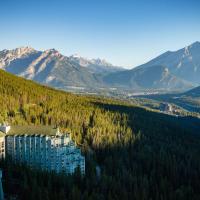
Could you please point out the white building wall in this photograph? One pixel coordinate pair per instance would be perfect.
(57, 153)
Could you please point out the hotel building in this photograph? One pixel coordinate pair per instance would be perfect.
(42, 147)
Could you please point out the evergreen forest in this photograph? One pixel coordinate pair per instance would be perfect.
(131, 152)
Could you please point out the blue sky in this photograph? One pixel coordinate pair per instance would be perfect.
(124, 32)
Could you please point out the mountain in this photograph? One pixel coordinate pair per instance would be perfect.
(97, 66)
(47, 67)
(184, 63)
(172, 70)
(154, 77)
(178, 70)
(193, 93)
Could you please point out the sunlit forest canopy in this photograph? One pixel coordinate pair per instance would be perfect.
(140, 154)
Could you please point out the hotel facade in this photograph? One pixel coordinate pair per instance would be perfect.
(43, 147)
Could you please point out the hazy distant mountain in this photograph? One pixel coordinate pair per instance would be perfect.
(154, 77)
(195, 92)
(98, 65)
(48, 67)
(183, 71)
(184, 63)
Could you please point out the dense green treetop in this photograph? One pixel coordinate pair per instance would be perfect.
(141, 154)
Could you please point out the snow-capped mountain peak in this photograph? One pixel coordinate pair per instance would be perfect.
(76, 55)
(99, 61)
(95, 65)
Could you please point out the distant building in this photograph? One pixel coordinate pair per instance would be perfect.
(166, 107)
(43, 147)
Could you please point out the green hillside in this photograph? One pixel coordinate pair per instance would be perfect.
(141, 154)
(189, 100)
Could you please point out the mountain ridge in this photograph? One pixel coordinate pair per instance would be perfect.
(95, 65)
(48, 67)
(184, 62)
(172, 70)
(183, 65)
(154, 77)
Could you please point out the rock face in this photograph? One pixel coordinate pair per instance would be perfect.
(9, 56)
(47, 67)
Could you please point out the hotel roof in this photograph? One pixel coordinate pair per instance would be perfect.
(32, 130)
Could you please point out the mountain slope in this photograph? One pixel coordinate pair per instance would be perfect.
(195, 92)
(184, 63)
(132, 147)
(154, 77)
(183, 71)
(47, 67)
